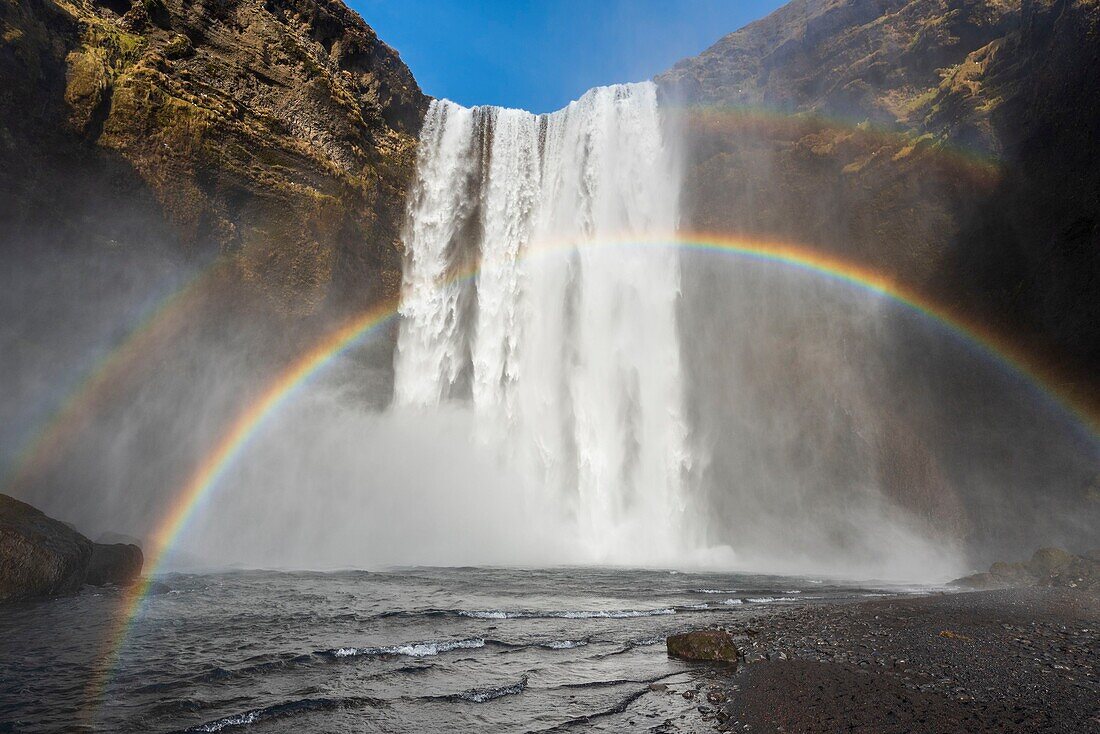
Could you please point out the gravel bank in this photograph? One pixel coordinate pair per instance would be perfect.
(1019, 660)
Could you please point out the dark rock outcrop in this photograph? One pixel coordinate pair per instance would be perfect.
(954, 144)
(40, 556)
(704, 646)
(1047, 567)
(118, 564)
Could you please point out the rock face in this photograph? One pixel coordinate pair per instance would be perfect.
(1047, 567)
(954, 144)
(703, 645)
(953, 147)
(251, 156)
(118, 564)
(278, 133)
(40, 556)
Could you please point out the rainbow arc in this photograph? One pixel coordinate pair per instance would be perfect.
(234, 441)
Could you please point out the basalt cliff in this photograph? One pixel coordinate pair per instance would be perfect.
(949, 146)
(954, 144)
(276, 134)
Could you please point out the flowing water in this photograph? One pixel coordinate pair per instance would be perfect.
(568, 350)
(416, 650)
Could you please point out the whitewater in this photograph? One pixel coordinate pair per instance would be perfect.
(567, 351)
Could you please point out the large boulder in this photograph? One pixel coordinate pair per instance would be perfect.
(39, 556)
(703, 645)
(116, 563)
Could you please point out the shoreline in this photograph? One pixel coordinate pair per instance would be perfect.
(1011, 660)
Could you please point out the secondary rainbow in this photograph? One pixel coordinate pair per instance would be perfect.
(214, 464)
(230, 445)
(80, 404)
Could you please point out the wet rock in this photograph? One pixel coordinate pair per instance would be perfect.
(703, 645)
(39, 556)
(117, 563)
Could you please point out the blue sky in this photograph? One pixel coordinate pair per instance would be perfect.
(540, 55)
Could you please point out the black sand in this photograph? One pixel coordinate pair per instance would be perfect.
(1024, 660)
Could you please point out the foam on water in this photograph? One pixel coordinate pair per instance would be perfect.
(551, 614)
(481, 695)
(565, 644)
(412, 649)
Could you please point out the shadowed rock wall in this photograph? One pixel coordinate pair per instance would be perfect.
(953, 146)
(279, 134)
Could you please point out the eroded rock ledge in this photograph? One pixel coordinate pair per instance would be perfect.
(1046, 567)
(278, 133)
(40, 556)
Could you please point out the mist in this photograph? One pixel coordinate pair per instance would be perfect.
(801, 426)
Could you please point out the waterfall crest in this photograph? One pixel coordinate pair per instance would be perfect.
(568, 350)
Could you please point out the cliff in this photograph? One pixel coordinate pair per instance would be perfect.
(191, 193)
(952, 146)
(279, 134)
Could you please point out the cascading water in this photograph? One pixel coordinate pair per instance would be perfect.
(567, 349)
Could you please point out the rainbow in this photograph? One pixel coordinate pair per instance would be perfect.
(80, 404)
(232, 443)
(229, 446)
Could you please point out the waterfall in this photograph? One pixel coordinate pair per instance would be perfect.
(565, 341)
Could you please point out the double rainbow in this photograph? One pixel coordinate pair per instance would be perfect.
(232, 443)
